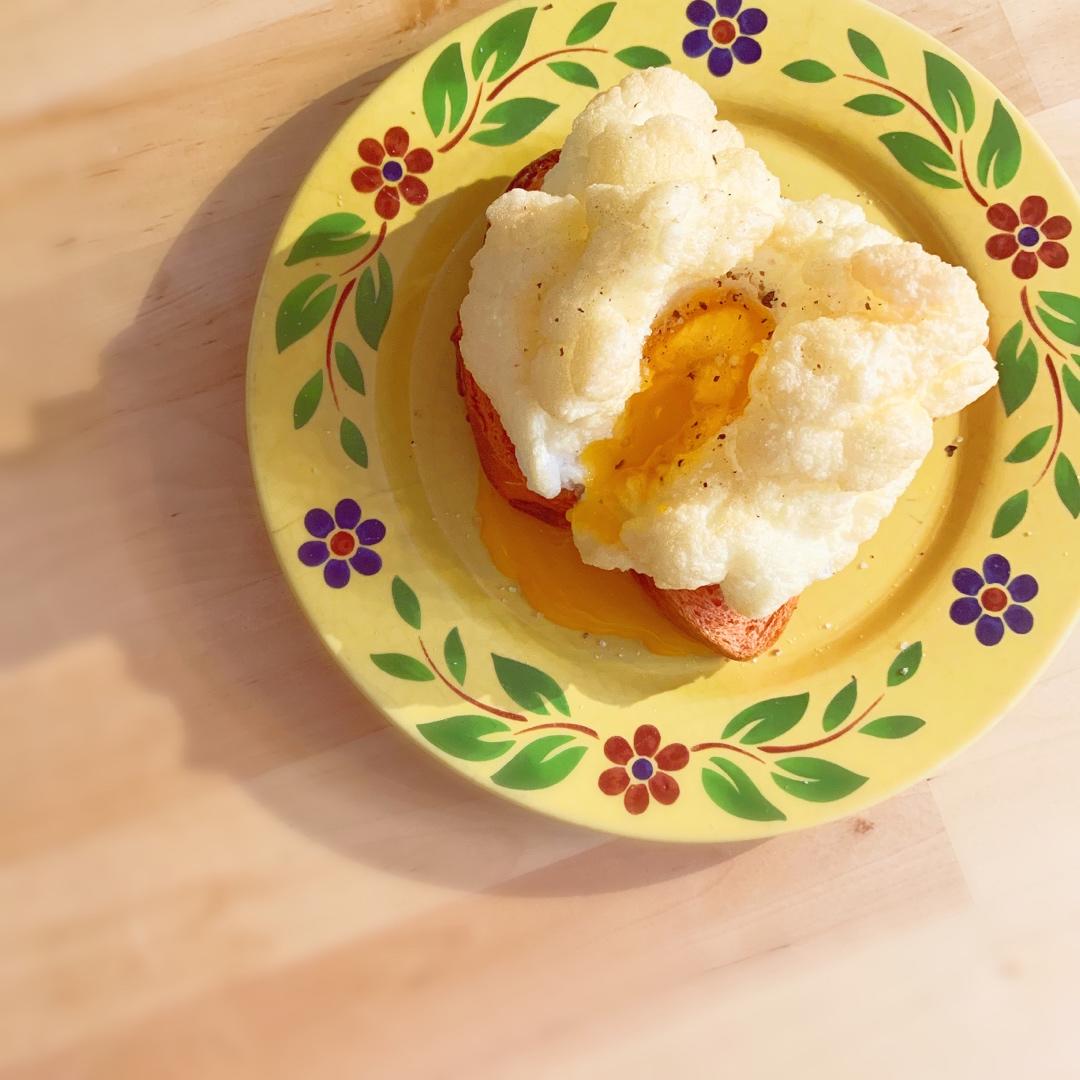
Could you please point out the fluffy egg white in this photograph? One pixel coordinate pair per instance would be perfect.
(871, 339)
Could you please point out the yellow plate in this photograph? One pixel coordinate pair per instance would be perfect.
(888, 668)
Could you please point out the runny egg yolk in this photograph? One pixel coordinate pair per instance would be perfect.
(717, 337)
(544, 562)
(696, 372)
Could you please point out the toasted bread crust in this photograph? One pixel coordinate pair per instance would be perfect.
(701, 613)
(498, 457)
(531, 178)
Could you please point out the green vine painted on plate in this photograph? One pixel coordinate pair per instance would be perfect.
(810, 778)
(1028, 235)
(533, 761)
(493, 68)
(941, 161)
(308, 304)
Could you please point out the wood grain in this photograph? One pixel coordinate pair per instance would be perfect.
(215, 860)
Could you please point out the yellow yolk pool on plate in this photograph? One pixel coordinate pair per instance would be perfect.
(697, 366)
(544, 562)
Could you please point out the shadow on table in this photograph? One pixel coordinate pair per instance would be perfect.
(206, 619)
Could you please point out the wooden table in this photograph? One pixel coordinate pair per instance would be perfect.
(215, 860)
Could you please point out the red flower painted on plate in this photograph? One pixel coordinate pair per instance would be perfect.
(391, 169)
(642, 770)
(1028, 237)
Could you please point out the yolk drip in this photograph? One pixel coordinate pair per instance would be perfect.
(697, 366)
(696, 374)
(544, 562)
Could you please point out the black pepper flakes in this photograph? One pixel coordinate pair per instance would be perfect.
(951, 449)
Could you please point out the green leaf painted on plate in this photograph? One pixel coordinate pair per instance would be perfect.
(875, 105)
(537, 766)
(1072, 387)
(1001, 149)
(1017, 369)
(949, 91)
(1068, 487)
(590, 24)
(1068, 326)
(868, 53)
(334, 234)
(905, 665)
(529, 687)
(839, 709)
(505, 40)
(307, 401)
(1029, 445)
(575, 73)
(352, 442)
(641, 56)
(809, 71)
(921, 158)
(513, 120)
(732, 790)
(349, 367)
(1009, 515)
(402, 667)
(446, 86)
(406, 602)
(463, 737)
(770, 719)
(892, 727)
(815, 780)
(303, 308)
(373, 306)
(454, 655)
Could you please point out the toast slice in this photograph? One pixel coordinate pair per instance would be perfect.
(701, 613)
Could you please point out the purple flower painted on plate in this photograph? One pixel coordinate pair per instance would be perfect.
(993, 600)
(343, 543)
(726, 32)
